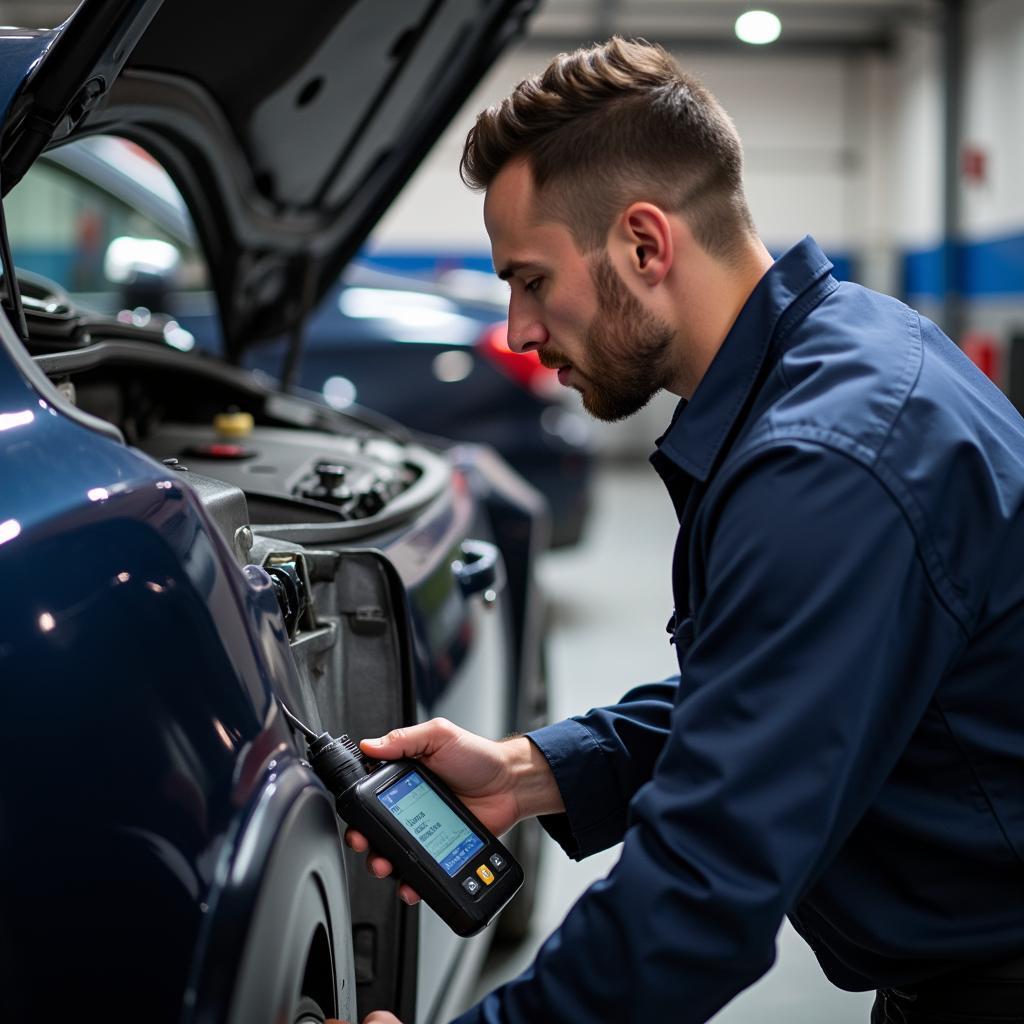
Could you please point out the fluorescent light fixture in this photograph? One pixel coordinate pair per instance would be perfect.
(10, 420)
(758, 27)
(126, 257)
(392, 304)
(9, 529)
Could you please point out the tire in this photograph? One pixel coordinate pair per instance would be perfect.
(280, 944)
(309, 1011)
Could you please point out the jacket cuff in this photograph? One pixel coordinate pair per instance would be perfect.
(595, 817)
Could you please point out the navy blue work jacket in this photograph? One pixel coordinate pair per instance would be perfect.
(845, 741)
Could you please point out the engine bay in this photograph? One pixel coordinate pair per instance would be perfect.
(308, 473)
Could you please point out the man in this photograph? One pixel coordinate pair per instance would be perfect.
(845, 741)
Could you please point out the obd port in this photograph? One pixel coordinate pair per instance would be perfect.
(287, 572)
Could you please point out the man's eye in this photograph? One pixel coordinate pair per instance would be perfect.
(532, 285)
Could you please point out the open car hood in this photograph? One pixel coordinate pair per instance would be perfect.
(288, 128)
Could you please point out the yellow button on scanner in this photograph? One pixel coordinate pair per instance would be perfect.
(233, 424)
(485, 874)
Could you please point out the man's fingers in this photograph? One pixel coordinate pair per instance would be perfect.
(408, 895)
(411, 741)
(377, 1017)
(378, 866)
(356, 840)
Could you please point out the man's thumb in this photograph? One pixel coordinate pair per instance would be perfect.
(410, 741)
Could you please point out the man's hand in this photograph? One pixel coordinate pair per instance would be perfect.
(377, 1017)
(500, 782)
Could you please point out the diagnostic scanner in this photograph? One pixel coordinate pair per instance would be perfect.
(412, 818)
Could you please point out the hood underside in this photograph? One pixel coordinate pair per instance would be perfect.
(288, 128)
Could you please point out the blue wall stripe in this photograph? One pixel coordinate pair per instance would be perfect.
(992, 267)
(427, 264)
(843, 266)
(924, 273)
(433, 263)
(984, 269)
(58, 263)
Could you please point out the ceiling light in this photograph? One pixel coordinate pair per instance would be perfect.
(758, 27)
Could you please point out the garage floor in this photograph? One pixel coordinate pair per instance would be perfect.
(611, 597)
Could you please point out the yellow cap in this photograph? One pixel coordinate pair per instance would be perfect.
(233, 424)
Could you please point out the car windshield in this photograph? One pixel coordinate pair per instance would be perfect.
(101, 219)
(37, 13)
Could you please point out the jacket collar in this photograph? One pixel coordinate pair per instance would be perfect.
(700, 427)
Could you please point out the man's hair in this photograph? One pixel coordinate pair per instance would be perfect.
(618, 123)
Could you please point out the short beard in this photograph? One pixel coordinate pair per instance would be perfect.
(628, 349)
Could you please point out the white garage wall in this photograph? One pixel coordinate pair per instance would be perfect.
(993, 120)
(802, 120)
(912, 136)
(802, 165)
(994, 117)
(991, 254)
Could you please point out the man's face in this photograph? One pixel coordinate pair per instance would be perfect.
(574, 310)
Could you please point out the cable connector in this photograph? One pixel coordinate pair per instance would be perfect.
(337, 760)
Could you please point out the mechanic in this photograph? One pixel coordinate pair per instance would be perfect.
(844, 743)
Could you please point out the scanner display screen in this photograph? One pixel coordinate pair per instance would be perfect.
(431, 822)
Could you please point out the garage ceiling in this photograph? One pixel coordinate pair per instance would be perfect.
(708, 24)
(806, 24)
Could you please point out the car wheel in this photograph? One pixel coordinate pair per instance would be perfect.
(280, 947)
(300, 928)
(309, 1011)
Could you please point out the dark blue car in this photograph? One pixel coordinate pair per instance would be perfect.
(184, 547)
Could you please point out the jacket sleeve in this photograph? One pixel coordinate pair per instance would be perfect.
(818, 644)
(600, 760)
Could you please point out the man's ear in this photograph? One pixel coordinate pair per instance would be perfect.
(644, 230)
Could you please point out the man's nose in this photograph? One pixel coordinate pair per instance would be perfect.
(525, 332)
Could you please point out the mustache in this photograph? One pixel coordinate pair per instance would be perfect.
(552, 360)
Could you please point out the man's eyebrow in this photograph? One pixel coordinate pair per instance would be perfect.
(510, 268)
